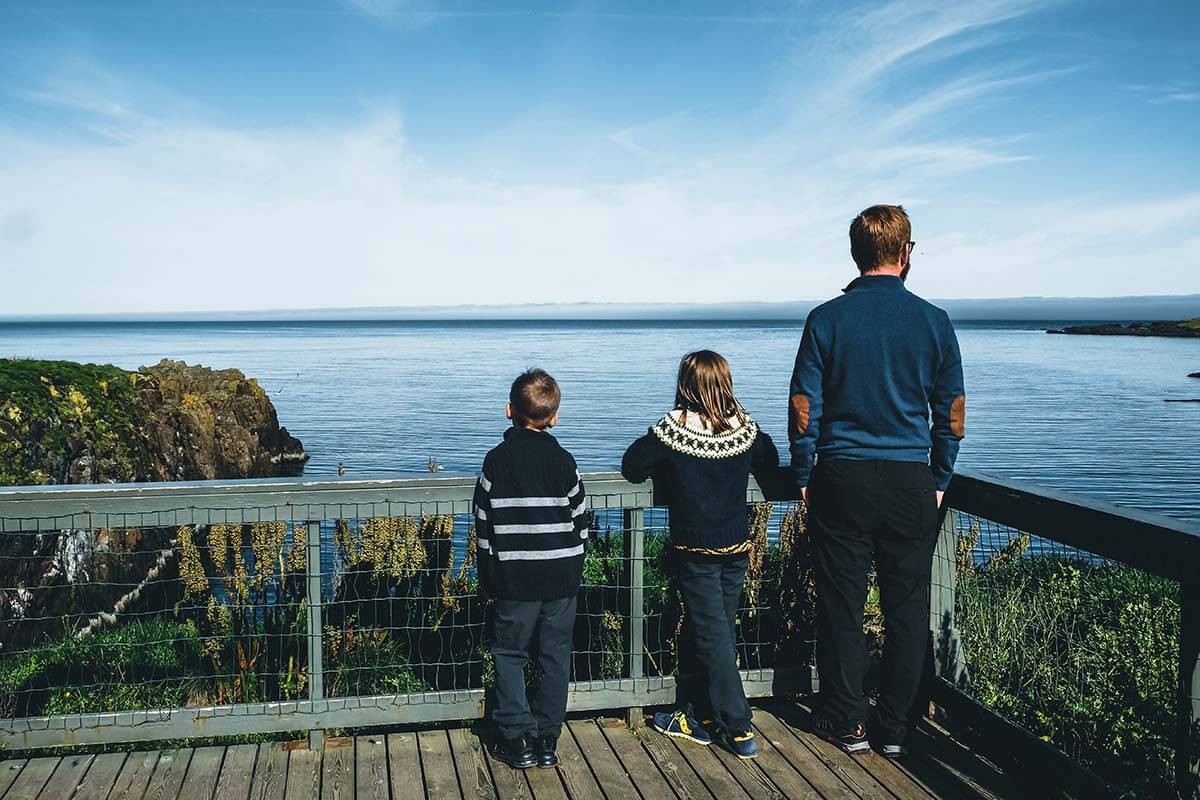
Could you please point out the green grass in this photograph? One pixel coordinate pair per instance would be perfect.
(1082, 655)
(48, 406)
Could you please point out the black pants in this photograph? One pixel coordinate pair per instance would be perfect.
(859, 510)
(708, 685)
(540, 712)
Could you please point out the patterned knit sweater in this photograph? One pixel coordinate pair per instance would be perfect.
(702, 478)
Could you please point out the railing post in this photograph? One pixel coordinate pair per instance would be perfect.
(1187, 750)
(635, 551)
(316, 658)
(949, 661)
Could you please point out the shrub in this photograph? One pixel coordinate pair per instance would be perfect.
(1083, 655)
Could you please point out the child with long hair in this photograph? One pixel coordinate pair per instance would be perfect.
(701, 454)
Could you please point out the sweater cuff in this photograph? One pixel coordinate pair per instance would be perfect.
(941, 479)
(801, 474)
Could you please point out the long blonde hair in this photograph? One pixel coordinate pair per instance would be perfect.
(705, 387)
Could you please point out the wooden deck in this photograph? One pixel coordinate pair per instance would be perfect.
(600, 758)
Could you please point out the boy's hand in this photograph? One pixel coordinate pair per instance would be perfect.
(940, 495)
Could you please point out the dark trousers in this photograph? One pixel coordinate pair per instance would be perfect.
(859, 510)
(541, 711)
(708, 685)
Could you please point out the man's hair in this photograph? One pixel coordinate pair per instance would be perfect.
(534, 398)
(878, 236)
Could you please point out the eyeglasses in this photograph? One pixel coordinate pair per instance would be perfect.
(912, 246)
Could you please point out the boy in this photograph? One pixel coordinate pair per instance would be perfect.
(531, 525)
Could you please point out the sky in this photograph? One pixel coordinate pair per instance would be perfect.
(262, 154)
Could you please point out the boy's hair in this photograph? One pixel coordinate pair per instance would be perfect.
(878, 235)
(534, 398)
(705, 387)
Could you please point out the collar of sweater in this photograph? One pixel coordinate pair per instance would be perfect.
(691, 435)
(876, 283)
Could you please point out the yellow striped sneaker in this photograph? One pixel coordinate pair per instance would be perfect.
(681, 726)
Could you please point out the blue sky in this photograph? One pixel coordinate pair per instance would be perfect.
(164, 156)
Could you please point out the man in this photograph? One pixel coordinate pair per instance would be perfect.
(874, 367)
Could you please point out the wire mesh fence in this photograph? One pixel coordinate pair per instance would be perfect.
(279, 604)
(1081, 651)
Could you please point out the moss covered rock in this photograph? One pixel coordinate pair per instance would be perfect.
(62, 422)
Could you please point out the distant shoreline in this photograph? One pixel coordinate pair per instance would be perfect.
(1180, 329)
(1010, 309)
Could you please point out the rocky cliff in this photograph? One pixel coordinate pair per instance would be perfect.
(62, 422)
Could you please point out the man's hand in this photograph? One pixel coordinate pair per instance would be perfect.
(940, 495)
(804, 494)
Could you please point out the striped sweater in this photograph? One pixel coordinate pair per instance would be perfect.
(530, 519)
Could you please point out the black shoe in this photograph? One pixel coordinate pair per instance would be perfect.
(889, 741)
(850, 737)
(543, 748)
(516, 753)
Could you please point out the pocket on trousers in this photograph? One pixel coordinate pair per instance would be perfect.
(913, 512)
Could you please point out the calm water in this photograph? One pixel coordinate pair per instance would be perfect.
(1079, 413)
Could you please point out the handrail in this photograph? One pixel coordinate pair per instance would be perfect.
(1151, 542)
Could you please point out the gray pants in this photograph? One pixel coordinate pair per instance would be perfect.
(540, 711)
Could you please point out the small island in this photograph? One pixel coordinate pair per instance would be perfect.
(1181, 329)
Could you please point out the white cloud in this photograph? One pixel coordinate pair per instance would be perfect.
(169, 213)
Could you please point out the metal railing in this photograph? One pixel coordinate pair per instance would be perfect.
(169, 611)
(1067, 633)
(166, 611)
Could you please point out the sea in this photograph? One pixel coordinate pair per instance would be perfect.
(1087, 414)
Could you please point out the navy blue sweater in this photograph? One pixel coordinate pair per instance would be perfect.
(874, 366)
(531, 521)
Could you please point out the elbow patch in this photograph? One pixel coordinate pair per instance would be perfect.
(958, 416)
(798, 414)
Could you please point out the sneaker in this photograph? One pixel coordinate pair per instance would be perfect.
(893, 750)
(681, 726)
(516, 753)
(851, 738)
(742, 745)
(544, 748)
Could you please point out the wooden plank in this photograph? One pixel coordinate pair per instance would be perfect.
(135, 775)
(782, 740)
(404, 767)
(711, 771)
(576, 776)
(100, 777)
(67, 775)
(674, 767)
(939, 753)
(270, 772)
(473, 774)
(775, 766)
(635, 761)
(237, 772)
(794, 718)
(303, 775)
(748, 774)
(337, 771)
(168, 775)
(896, 781)
(607, 768)
(32, 778)
(203, 773)
(437, 764)
(511, 784)
(545, 784)
(370, 768)
(9, 771)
